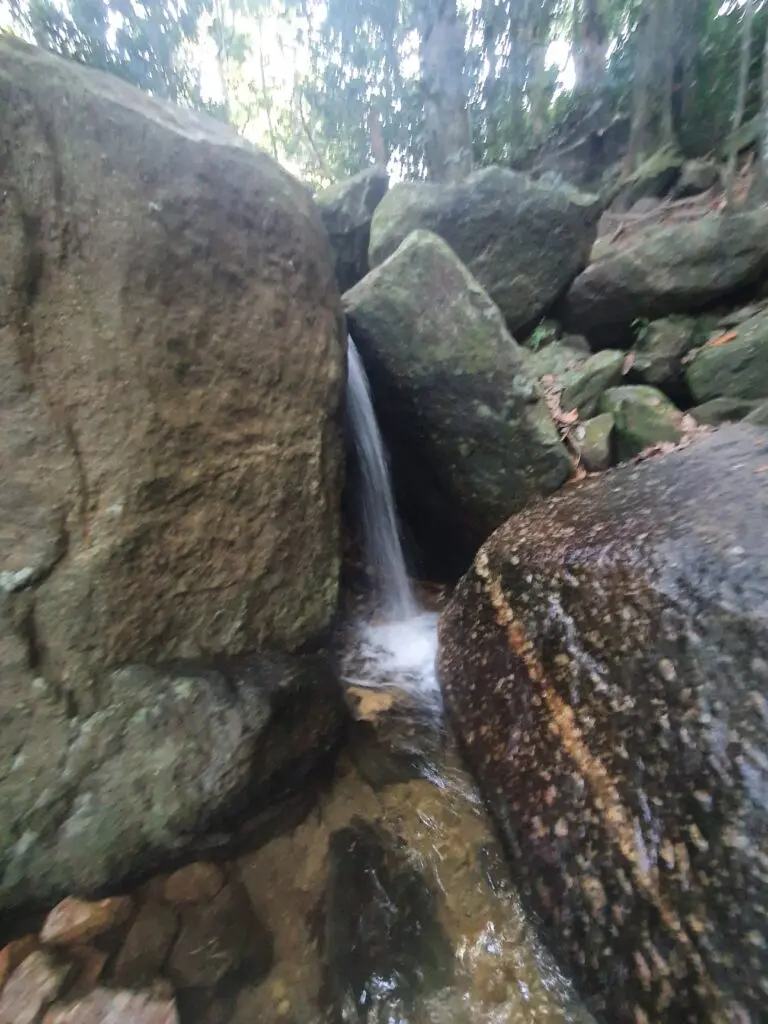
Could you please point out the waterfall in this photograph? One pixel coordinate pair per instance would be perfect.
(381, 537)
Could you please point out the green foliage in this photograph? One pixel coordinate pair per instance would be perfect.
(142, 44)
(540, 336)
(332, 87)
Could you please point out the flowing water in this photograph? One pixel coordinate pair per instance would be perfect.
(386, 898)
(404, 773)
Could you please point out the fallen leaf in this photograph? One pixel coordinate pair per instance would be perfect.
(629, 362)
(722, 339)
(370, 703)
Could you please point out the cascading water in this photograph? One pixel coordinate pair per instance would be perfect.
(381, 536)
(400, 647)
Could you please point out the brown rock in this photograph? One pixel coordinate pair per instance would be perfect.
(76, 921)
(31, 988)
(605, 666)
(195, 883)
(146, 946)
(104, 1006)
(171, 369)
(90, 963)
(14, 954)
(216, 939)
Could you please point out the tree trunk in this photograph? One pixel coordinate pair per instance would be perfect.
(760, 183)
(741, 98)
(652, 121)
(448, 143)
(589, 45)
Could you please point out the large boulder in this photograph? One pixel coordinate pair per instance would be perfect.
(605, 665)
(346, 209)
(469, 437)
(524, 241)
(171, 369)
(674, 269)
(737, 368)
(169, 756)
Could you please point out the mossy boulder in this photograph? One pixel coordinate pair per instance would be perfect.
(605, 666)
(594, 440)
(738, 368)
(469, 437)
(660, 347)
(556, 359)
(586, 384)
(653, 179)
(523, 240)
(171, 374)
(722, 410)
(346, 210)
(643, 417)
(680, 268)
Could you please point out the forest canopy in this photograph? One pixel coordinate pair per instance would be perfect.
(430, 88)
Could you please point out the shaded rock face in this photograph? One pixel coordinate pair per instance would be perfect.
(346, 210)
(167, 756)
(469, 437)
(605, 663)
(171, 366)
(384, 945)
(677, 269)
(523, 240)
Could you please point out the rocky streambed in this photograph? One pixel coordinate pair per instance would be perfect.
(389, 899)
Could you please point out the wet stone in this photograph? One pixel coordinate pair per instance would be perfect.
(384, 946)
(146, 946)
(77, 921)
(107, 1006)
(32, 987)
(219, 939)
(600, 663)
(14, 954)
(195, 883)
(89, 964)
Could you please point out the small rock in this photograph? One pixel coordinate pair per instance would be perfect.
(721, 410)
(587, 384)
(77, 921)
(216, 939)
(32, 988)
(146, 946)
(14, 954)
(643, 417)
(90, 963)
(106, 1006)
(595, 443)
(195, 883)
(659, 349)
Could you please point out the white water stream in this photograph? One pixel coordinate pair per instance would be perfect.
(399, 647)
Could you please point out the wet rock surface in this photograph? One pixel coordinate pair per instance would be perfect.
(469, 438)
(523, 240)
(384, 946)
(605, 664)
